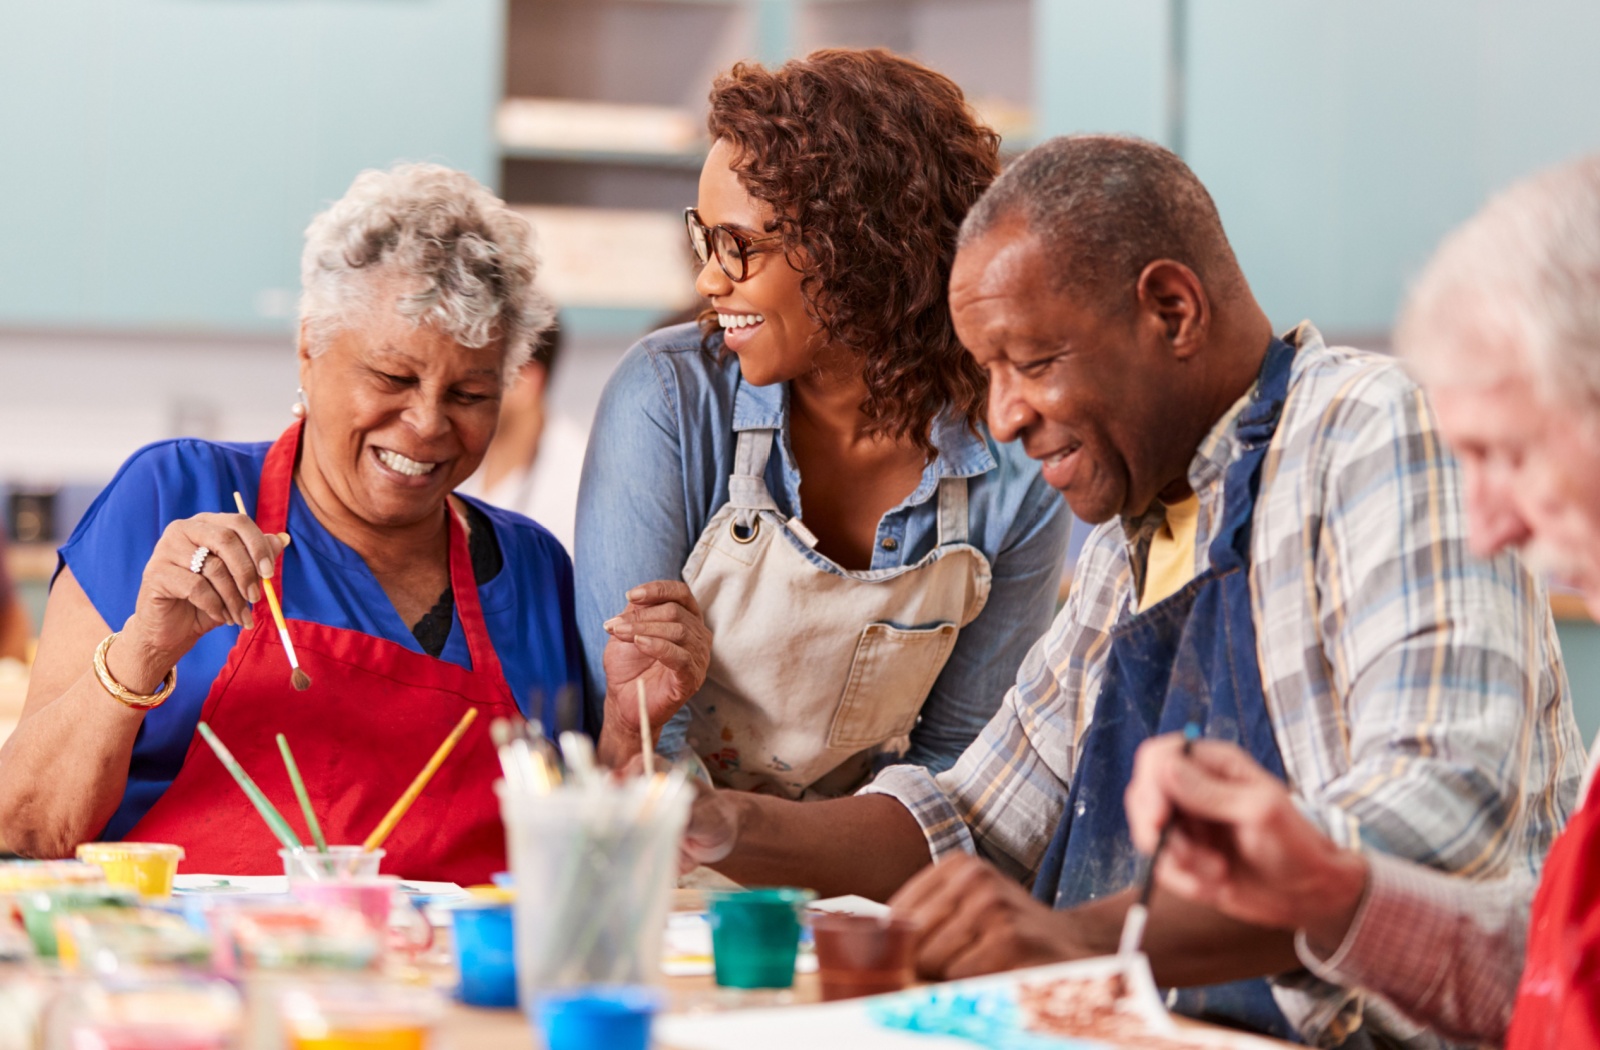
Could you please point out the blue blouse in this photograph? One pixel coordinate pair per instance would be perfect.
(527, 606)
(656, 472)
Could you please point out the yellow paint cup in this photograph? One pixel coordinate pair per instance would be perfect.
(148, 868)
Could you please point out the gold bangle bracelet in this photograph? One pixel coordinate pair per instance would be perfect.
(121, 693)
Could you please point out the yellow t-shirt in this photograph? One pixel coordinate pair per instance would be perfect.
(1170, 563)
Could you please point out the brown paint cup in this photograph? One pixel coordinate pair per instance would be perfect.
(862, 955)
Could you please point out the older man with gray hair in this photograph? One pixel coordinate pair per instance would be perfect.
(1281, 563)
(1504, 331)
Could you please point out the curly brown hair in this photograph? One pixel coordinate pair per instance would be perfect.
(869, 161)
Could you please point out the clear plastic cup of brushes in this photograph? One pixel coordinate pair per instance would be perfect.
(335, 862)
(595, 863)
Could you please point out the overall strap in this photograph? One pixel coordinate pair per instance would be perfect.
(953, 525)
(747, 485)
(1257, 423)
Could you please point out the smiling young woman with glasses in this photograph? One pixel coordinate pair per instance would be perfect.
(807, 469)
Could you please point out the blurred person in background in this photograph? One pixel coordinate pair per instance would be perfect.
(408, 605)
(536, 458)
(1503, 329)
(808, 468)
(16, 626)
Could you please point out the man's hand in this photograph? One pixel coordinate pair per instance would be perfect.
(1238, 844)
(659, 639)
(976, 920)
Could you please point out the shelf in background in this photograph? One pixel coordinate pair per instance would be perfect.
(689, 160)
(612, 257)
(564, 129)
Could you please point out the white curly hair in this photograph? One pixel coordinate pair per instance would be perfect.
(466, 258)
(1516, 290)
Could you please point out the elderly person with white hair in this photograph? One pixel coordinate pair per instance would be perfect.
(1503, 329)
(407, 606)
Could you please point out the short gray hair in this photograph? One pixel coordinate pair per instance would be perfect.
(1516, 290)
(465, 260)
(1106, 206)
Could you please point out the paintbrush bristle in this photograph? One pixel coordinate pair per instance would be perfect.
(300, 680)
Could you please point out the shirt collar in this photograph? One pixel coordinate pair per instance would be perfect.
(760, 407)
(1220, 446)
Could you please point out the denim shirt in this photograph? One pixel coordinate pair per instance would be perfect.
(656, 472)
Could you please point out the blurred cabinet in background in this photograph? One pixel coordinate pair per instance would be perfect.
(161, 158)
(602, 131)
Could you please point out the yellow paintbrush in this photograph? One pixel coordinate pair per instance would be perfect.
(297, 678)
(398, 810)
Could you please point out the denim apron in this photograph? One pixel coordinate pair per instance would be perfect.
(1191, 657)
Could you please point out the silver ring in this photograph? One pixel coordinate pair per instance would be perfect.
(198, 562)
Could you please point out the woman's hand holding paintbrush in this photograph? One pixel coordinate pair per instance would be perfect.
(1236, 842)
(297, 678)
(205, 572)
(659, 639)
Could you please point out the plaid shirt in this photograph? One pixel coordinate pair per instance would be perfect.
(1416, 691)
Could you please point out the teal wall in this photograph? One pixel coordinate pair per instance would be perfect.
(1340, 140)
(159, 159)
(1580, 645)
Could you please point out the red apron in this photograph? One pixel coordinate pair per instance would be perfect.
(374, 714)
(1558, 1001)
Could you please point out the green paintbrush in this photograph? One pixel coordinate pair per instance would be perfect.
(300, 793)
(269, 813)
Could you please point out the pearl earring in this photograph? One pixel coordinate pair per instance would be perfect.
(298, 409)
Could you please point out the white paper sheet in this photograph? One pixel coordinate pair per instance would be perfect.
(850, 1024)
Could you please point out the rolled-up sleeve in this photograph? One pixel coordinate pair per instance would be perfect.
(1446, 952)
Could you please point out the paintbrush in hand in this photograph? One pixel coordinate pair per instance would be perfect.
(647, 747)
(1139, 912)
(297, 678)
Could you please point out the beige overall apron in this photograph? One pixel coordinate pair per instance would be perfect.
(816, 668)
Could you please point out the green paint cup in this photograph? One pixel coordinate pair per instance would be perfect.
(755, 935)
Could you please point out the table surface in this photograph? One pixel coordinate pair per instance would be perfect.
(470, 1028)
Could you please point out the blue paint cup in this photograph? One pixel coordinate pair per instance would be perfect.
(617, 1018)
(485, 958)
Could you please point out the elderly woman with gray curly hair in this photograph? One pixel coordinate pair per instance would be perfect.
(406, 605)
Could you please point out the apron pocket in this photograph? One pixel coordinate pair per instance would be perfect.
(891, 675)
